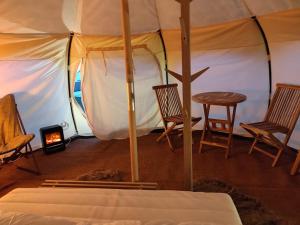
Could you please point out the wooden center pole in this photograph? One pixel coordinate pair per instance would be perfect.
(130, 91)
(186, 92)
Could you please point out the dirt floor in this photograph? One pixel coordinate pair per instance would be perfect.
(252, 174)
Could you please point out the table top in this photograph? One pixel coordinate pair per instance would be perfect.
(219, 98)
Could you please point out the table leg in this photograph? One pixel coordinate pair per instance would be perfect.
(206, 109)
(231, 125)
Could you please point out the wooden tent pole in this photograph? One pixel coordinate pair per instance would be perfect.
(186, 92)
(130, 91)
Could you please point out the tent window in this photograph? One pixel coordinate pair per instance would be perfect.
(77, 88)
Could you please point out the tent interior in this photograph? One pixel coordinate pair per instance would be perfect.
(64, 63)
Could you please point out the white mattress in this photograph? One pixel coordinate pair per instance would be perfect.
(145, 207)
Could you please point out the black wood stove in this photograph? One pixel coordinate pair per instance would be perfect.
(52, 139)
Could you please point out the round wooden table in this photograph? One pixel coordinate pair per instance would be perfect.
(226, 99)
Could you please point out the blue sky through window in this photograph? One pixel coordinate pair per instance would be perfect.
(77, 89)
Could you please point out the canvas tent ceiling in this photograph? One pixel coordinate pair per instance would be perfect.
(35, 36)
(102, 17)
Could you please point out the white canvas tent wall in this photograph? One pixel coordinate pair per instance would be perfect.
(35, 34)
(103, 82)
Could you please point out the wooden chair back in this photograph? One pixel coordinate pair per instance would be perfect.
(284, 109)
(168, 100)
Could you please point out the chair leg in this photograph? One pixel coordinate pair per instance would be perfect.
(37, 169)
(277, 157)
(161, 136)
(170, 142)
(201, 141)
(166, 133)
(167, 130)
(205, 129)
(34, 159)
(252, 146)
(296, 165)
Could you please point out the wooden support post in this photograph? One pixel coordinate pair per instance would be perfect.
(130, 91)
(176, 75)
(186, 92)
(193, 76)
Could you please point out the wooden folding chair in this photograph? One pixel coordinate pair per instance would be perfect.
(281, 118)
(15, 142)
(170, 109)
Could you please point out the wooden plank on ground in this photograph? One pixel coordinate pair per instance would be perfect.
(100, 184)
